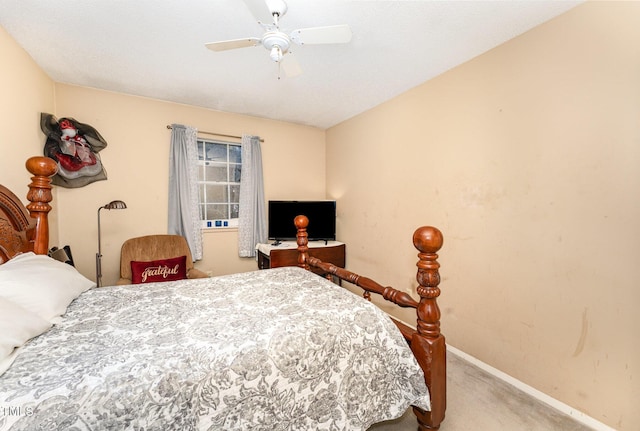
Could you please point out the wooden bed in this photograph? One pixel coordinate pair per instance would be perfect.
(26, 229)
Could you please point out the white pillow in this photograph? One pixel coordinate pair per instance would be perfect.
(41, 284)
(17, 325)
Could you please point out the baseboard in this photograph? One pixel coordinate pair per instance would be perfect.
(541, 396)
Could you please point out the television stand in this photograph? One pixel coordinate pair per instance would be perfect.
(286, 254)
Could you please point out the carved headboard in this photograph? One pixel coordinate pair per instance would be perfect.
(23, 228)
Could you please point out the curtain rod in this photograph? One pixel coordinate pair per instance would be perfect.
(215, 134)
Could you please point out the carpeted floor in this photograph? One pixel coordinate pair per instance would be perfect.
(478, 401)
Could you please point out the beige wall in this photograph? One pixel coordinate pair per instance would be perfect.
(25, 91)
(137, 163)
(528, 159)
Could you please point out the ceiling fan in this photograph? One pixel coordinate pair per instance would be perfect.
(268, 13)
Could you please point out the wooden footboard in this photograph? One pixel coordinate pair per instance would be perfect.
(426, 341)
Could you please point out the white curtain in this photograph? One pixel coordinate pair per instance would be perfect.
(252, 223)
(184, 216)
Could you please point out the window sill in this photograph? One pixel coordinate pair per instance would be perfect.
(209, 230)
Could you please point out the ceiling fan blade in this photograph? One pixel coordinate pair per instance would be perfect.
(233, 44)
(259, 10)
(290, 65)
(318, 35)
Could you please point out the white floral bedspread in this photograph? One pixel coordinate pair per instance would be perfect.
(279, 349)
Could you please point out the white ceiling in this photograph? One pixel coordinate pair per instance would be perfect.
(155, 48)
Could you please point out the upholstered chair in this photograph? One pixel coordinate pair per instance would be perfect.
(155, 247)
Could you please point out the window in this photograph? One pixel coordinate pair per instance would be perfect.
(220, 165)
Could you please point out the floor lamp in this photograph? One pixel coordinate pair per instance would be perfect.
(113, 205)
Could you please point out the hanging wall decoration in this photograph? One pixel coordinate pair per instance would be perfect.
(74, 146)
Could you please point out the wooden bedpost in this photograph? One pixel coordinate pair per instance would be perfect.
(428, 344)
(39, 196)
(302, 240)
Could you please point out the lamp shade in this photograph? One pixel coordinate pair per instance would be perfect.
(115, 205)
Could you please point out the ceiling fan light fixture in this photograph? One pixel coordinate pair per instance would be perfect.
(276, 53)
(277, 43)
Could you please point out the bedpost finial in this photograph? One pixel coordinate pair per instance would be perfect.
(301, 222)
(427, 239)
(41, 166)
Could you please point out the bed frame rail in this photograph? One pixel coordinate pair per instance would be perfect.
(426, 340)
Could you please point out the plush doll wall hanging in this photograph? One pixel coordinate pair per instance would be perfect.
(74, 146)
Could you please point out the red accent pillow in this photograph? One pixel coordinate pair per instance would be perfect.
(153, 271)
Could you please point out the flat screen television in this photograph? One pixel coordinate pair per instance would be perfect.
(321, 215)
